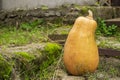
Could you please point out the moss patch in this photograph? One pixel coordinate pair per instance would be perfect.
(25, 56)
(53, 52)
(24, 64)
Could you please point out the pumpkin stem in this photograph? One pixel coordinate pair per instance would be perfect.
(90, 14)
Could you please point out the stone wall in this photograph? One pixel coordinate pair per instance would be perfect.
(31, 4)
(0, 4)
(67, 13)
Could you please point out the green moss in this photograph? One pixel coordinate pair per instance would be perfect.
(30, 69)
(25, 55)
(28, 26)
(52, 48)
(64, 32)
(77, 6)
(43, 7)
(84, 9)
(52, 51)
(5, 69)
(24, 62)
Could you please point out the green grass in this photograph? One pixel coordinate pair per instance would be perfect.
(6, 68)
(20, 37)
(28, 32)
(38, 31)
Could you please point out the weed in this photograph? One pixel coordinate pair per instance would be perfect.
(118, 36)
(52, 51)
(31, 25)
(25, 65)
(6, 69)
(105, 30)
(113, 71)
(28, 67)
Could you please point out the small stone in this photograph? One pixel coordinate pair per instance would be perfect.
(3, 15)
(50, 13)
(58, 14)
(102, 75)
(117, 78)
(73, 78)
(60, 73)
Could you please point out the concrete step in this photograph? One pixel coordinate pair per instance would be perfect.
(115, 21)
(102, 51)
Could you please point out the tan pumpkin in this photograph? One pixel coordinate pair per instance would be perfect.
(80, 50)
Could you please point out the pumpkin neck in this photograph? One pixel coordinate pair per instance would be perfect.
(90, 15)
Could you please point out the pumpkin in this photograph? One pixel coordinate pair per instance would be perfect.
(80, 49)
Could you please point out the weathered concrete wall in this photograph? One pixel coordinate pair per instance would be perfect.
(0, 4)
(30, 4)
(66, 13)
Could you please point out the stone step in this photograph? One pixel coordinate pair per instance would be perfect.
(102, 51)
(115, 21)
(19, 60)
(109, 52)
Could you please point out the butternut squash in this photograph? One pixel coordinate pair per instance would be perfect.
(80, 50)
